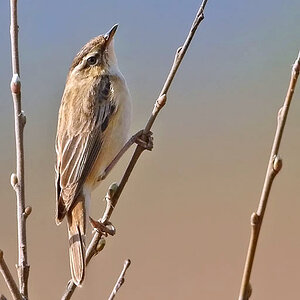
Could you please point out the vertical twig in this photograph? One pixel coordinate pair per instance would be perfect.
(11, 284)
(120, 280)
(160, 102)
(274, 166)
(18, 179)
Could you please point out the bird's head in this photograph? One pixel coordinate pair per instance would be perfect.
(97, 57)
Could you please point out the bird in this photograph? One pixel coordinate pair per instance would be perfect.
(93, 125)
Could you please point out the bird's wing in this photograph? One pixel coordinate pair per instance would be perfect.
(82, 122)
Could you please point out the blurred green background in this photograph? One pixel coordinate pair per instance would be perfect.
(183, 218)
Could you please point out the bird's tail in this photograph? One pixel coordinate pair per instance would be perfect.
(76, 229)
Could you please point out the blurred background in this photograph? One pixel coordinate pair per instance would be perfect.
(183, 218)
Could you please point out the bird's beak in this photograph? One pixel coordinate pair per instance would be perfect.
(110, 34)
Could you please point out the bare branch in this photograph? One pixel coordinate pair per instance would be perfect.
(11, 284)
(120, 280)
(274, 166)
(17, 180)
(160, 102)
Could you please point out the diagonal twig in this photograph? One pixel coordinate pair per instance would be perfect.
(18, 178)
(274, 166)
(11, 284)
(97, 243)
(160, 102)
(120, 280)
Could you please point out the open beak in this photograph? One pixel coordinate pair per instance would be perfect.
(110, 34)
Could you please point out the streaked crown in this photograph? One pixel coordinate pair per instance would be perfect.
(96, 57)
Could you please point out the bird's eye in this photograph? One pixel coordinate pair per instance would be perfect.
(92, 60)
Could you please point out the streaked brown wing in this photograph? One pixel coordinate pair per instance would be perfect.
(79, 140)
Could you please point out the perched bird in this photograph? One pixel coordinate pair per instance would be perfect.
(93, 125)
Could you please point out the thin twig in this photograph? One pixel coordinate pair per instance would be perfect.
(11, 284)
(20, 120)
(274, 166)
(120, 280)
(160, 102)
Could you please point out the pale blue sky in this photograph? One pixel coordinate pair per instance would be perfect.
(214, 134)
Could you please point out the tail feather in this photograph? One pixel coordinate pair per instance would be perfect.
(76, 229)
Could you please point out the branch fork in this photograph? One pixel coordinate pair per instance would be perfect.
(17, 179)
(11, 284)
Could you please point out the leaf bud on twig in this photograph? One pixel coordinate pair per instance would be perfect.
(15, 84)
(14, 180)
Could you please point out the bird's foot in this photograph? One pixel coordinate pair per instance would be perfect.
(144, 140)
(105, 229)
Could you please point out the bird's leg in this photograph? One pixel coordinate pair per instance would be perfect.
(140, 138)
(105, 229)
